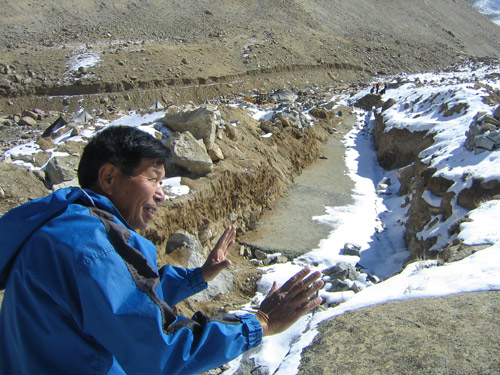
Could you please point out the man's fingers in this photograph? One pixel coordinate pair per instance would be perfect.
(221, 251)
(274, 288)
(225, 242)
(304, 285)
(308, 306)
(313, 289)
(295, 279)
(227, 236)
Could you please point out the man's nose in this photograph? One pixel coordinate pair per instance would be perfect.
(159, 194)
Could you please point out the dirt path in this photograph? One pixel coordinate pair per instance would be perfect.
(289, 228)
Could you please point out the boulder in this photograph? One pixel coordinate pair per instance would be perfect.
(483, 142)
(491, 120)
(496, 113)
(18, 185)
(260, 255)
(269, 127)
(32, 114)
(216, 153)
(339, 286)
(182, 239)
(284, 96)
(341, 271)
(351, 249)
(27, 121)
(4, 83)
(60, 169)
(201, 123)
(483, 134)
(45, 143)
(369, 101)
(190, 154)
(388, 104)
(40, 159)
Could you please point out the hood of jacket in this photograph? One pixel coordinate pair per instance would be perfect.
(17, 225)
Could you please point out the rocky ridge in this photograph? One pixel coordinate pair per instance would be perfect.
(400, 149)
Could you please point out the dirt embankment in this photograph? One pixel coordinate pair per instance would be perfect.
(250, 181)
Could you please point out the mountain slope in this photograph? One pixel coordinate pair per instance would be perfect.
(166, 45)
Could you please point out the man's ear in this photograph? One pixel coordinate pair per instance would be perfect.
(106, 176)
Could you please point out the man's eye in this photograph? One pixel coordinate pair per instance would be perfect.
(155, 181)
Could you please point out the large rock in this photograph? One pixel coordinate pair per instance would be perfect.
(341, 271)
(182, 239)
(496, 113)
(201, 123)
(216, 153)
(27, 121)
(388, 104)
(60, 169)
(189, 153)
(369, 101)
(484, 133)
(284, 96)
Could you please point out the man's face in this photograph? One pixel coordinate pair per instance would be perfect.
(136, 197)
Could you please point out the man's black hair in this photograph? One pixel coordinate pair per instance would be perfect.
(122, 146)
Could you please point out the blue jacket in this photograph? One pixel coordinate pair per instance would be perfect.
(83, 295)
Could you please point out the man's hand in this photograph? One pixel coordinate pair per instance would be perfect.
(284, 306)
(217, 259)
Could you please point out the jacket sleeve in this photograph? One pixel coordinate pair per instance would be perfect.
(177, 283)
(147, 338)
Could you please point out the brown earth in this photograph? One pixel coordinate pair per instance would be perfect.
(454, 335)
(185, 50)
(182, 51)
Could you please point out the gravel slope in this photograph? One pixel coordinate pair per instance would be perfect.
(178, 48)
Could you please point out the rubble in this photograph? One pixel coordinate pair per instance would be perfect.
(484, 132)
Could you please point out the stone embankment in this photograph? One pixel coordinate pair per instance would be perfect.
(400, 149)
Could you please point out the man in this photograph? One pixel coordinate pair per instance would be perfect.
(83, 294)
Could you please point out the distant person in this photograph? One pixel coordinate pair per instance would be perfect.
(377, 87)
(83, 294)
(372, 90)
(382, 92)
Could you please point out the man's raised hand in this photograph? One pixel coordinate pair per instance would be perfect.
(284, 306)
(217, 259)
